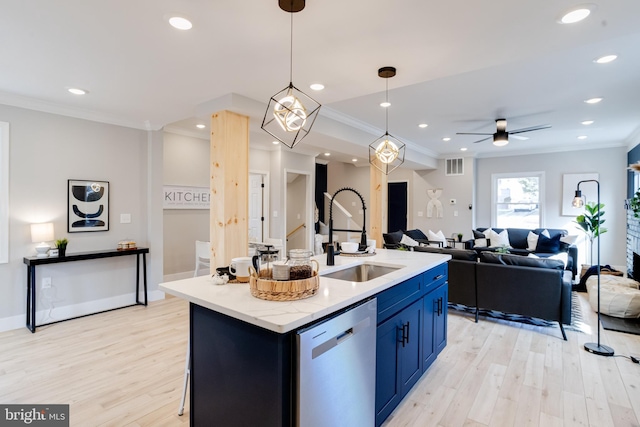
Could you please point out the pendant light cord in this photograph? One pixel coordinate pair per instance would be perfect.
(386, 110)
(291, 48)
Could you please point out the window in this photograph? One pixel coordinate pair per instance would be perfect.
(4, 192)
(517, 200)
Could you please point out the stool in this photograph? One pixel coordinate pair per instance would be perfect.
(619, 296)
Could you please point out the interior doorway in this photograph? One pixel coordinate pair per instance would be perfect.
(299, 211)
(396, 206)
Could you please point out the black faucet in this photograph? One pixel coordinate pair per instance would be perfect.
(363, 238)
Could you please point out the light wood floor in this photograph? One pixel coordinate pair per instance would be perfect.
(125, 368)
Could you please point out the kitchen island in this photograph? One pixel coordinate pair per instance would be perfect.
(243, 348)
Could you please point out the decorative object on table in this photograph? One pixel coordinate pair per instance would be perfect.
(460, 237)
(284, 290)
(41, 234)
(126, 244)
(218, 279)
(280, 270)
(61, 245)
(290, 113)
(221, 271)
(264, 256)
(591, 222)
(387, 152)
(503, 249)
(594, 227)
(349, 247)
(300, 264)
(87, 206)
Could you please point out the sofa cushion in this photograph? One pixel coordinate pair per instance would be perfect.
(416, 234)
(518, 237)
(548, 245)
(406, 240)
(477, 234)
(393, 238)
(520, 261)
(499, 239)
(461, 254)
(437, 237)
(532, 239)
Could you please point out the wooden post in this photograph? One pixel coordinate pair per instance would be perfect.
(378, 201)
(229, 211)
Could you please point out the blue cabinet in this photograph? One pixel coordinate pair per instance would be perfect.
(412, 331)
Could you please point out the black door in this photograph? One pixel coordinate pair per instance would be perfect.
(397, 206)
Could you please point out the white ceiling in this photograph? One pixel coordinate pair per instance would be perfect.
(460, 66)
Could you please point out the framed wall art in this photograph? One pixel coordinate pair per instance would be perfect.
(87, 206)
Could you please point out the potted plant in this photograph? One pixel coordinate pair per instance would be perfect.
(591, 223)
(459, 237)
(634, 204)
(503, 249)
(61, 244)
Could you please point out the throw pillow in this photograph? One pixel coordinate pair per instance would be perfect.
(406, 240)
(532, 239)
(416, 234)
(569, 240)
(324, 228)
(437, 237)
(499, 239)
(562, 256)
(480, 243)
(478, 234)
(548, 245)
(393, 238)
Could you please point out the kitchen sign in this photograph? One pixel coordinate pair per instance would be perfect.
(177, 197)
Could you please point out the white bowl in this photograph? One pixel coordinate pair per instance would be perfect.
(349, 247)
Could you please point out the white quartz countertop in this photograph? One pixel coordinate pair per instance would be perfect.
(235, 299)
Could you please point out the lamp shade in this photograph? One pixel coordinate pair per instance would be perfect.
(42, 232)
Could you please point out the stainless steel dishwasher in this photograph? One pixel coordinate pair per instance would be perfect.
(336, 376)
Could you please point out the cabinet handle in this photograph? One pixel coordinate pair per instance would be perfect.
(408, 325)
(438, 277)
(440, 304)
(405, 333)
(402, 336)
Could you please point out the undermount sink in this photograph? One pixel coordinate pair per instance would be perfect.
(361, 273)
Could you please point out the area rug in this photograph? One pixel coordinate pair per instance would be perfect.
(577, 323)
(629, 326)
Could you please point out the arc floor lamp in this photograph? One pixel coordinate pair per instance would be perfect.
(591, 347)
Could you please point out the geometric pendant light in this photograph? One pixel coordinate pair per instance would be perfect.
(387, 152)
(290, 113)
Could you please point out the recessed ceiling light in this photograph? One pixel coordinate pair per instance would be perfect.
(593, 100)
(605, 59)
(385, 104)
(275, 142)
(446, 139)
(577, 14)
(423, 125)
(77, 91)
(317, 86)
(180, 23)
(587, 122)
(200, 126)
(582, 137)
(354, 160)
(463, 149)
(327, 154)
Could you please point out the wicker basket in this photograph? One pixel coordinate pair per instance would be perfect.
(264, 287)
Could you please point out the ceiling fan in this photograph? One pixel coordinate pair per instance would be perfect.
(501, 137)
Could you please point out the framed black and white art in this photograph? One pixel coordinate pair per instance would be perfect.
(87, 206)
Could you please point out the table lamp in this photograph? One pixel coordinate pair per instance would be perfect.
(42, 233)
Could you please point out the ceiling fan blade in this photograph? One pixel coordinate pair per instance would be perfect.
(530, 129)
(522, 138)
(472, 133)
(501, 125)
(484, 139)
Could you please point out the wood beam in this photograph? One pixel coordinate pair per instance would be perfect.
(229, 186)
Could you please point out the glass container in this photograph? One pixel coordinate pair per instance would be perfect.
(300, 266)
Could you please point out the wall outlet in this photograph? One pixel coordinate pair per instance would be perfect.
(46, 282)
(125, 218)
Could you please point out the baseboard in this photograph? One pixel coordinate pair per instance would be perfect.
(184, 275)
(70, 311)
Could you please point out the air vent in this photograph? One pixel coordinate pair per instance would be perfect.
(455, 166)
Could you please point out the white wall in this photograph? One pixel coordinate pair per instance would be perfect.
(610, 163)
(46, 150)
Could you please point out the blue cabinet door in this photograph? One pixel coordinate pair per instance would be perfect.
(435, 324)
(398, 358)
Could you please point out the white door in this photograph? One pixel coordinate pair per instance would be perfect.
(256, 216)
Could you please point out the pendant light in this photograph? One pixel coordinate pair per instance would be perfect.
(387, 152)
(290, 113)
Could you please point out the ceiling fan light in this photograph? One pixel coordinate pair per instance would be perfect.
(500, 139)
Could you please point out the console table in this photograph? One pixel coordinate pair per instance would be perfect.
(33, 262)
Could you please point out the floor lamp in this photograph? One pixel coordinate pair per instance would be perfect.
(591, 347)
